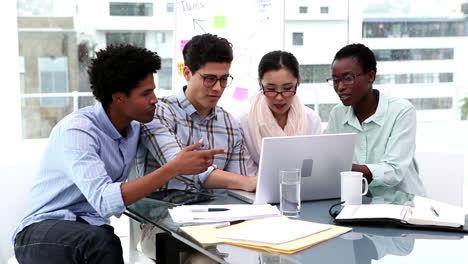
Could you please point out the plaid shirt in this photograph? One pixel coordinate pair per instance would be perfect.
(177, 124)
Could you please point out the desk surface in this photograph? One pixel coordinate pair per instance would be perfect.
(365, 244)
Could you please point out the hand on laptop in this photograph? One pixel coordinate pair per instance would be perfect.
(192, 161)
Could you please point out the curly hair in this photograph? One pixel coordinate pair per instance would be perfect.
(275, 60)
(119, 68)
(205, 48)
(365, 57)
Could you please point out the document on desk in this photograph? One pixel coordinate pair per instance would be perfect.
(200, 214)
(207, 235)
(424, 212)
(275, 230)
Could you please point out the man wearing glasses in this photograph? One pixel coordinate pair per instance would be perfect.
(193, 115)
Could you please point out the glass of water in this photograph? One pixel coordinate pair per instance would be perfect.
(290, 192)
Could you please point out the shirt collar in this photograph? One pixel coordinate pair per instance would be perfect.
(190, 109)
(107, 125)
(378, 117)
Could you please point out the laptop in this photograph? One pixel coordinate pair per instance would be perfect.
(320, 158)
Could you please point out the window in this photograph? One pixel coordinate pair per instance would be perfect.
(406, 78)
(165, 74)
(432, 103)
(324, 10)
(303, 10)
(134, 38)
(170, 7)
(160, 37)
(324, 111)
(298, 39)
(315, 73)
(130, 9)
(53, 79)
(411, 29)
(413, 54)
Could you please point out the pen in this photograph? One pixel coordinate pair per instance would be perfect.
(215, 209)
(434, 210)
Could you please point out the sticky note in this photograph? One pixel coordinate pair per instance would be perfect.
(180, 68)
(219, 22)
(240, 94)
(182, 44)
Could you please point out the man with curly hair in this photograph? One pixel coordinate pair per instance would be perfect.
(81, 181)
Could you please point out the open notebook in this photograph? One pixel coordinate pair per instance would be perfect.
(424, 212)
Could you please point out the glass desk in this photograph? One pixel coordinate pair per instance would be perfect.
(365, 244)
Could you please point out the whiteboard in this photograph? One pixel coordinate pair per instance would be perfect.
(253, 27)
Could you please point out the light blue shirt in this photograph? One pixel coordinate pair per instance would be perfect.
(177, 124)
(84, 163)
(385, 144)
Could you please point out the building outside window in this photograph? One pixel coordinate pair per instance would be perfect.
(160, 37)
(298, 39)
(432, 103)
(413, 54)
(314, 73)
(303, 10)
(133, 38)
(170, 7)
(130, 9)
(53, 78)
(324, 10)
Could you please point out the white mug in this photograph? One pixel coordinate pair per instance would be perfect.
(351, 187)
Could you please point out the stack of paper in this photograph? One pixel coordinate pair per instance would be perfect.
(200, 214)
(253, 234)
(285, 230)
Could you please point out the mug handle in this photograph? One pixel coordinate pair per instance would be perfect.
(366, 186)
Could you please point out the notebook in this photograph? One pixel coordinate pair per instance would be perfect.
(320, 159)
(424, 213)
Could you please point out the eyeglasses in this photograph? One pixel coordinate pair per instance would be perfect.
(210, 80)
(347, 79)
(274, 93)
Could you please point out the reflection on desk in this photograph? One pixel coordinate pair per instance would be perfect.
(376, 244)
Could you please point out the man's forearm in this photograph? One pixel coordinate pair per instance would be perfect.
(136, 189)
(220, 179)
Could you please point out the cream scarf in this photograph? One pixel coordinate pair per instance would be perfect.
(262, 123)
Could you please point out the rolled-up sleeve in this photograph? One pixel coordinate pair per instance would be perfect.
(88, 172)
(160, 138)
(236, 162)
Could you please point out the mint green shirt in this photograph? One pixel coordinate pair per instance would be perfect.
(385, 143)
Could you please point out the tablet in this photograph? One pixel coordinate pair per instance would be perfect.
(179, 197)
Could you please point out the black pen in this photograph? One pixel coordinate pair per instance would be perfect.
(434, 210)
(214, 209)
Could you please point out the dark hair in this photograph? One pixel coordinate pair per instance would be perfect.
(363, 54)
(205, 48)
(275, 60)
(119, 69)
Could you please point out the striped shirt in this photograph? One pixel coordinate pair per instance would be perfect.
(84, 164)
(177, 124)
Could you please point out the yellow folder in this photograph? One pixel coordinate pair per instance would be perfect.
(206, 235)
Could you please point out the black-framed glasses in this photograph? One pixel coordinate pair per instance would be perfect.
(210, 80)
(274, 93)
(347, 79)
